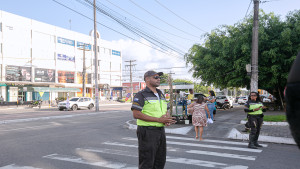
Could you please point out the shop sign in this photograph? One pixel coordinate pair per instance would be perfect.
(65, 77)
(44, 75)
(65, 41)
(65, 57)
(114, 52)
(18, 73)
(81, 44)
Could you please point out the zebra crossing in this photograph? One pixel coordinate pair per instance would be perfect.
(182, 152)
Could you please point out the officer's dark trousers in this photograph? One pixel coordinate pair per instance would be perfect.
(255, 122)
(152, 147)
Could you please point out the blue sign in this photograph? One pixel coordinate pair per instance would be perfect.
(65, 41)
(87, 46)
(65, 57)
(114, 52)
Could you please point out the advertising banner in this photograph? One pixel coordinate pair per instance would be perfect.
(18, 73)
(44, 75)
(65, 77)
(88, 78)
(65, 57)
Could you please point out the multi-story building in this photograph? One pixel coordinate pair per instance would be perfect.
(42, 61)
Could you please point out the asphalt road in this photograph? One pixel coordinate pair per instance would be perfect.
(50, 139)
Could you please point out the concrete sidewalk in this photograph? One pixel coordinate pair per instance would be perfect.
(47, 106)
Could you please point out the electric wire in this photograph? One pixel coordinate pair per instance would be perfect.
(148, 22)
(179, 16)
(152, 39)
(163, 20)
(113, 29)
(248, 8)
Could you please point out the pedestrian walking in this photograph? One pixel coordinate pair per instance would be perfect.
(255, 109)
(199, 116)
(149, 107)
(211, 104)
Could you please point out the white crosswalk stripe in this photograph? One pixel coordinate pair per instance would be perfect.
(213, 150)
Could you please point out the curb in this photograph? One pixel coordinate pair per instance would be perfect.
(180, 130)
(270, 123)
(236, 135)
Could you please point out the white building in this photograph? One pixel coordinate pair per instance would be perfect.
(38, 60)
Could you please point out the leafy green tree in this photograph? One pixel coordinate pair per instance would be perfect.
(222, 59)
(182, 81)
(164, 78)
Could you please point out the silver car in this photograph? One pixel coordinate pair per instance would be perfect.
(77, 103)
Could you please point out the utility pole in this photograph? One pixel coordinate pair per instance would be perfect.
(96, 60)
(130, 70)
(170, 81)
(254, 53)
(83, 70)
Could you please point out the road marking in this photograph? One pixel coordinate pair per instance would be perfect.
(91, 160)
(34, 127)
(204, 163)
(55, 117)
(218, 154)
(212, 141)
(205, 145)
(13, 166)
(170, 159)
(109, 151)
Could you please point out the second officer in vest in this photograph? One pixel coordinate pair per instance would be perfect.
(149, 107)
(255, 109)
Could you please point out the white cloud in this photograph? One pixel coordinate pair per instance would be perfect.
(148, 58)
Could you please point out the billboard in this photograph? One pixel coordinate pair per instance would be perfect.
(18, 73)
(65, 77)
(88, 78)
(44, 75)
(65, 57)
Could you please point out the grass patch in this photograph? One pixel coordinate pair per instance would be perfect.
(273, 118)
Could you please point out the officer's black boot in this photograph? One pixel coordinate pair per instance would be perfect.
(251, 141)
(255, 141)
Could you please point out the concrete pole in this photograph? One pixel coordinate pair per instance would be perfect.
(83, 73)
(254, 54)
(96, 60)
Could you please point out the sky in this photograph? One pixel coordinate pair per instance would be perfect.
(178, 23)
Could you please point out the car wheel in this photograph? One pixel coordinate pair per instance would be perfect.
(74, 107)
(90, 106)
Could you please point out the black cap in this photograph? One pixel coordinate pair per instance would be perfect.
(151, 73)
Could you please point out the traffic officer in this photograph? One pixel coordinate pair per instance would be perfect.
(255, 109)
(149, 107)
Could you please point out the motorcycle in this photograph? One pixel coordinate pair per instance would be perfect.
(224, 105)
(37, 103)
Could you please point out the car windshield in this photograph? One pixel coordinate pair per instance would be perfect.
(221, 97)
(74, 99)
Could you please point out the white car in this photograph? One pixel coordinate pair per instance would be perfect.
(77, 103)
(223, 99)
(242, 100)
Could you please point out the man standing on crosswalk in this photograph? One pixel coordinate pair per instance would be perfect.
(149, 107)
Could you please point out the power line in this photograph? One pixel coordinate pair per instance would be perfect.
(162, 20)
(248, 8)
(179, 16)
(113, 29)
(150, 38)
(149, 23)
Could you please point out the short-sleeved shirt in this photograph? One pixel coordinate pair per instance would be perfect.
(148, 103)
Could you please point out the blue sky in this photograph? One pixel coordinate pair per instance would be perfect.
(203, 14)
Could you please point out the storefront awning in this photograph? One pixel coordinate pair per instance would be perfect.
(2, 84)
(53, 89)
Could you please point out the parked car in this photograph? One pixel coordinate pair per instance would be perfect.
(242, 100)
(77, 103)
(265, 98)
(236, 99)
(222, 99)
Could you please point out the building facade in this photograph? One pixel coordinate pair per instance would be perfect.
(42, 61)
